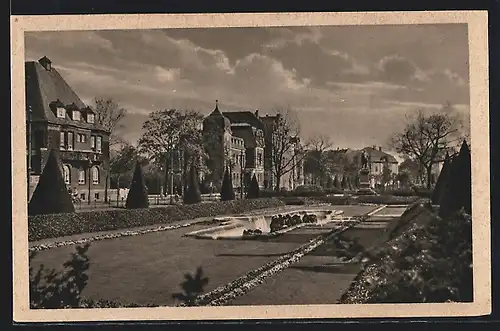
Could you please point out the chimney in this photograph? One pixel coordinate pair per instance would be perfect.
(380, 148)
(257, 113)
(45, 62)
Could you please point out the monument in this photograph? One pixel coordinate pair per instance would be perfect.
(364, 174)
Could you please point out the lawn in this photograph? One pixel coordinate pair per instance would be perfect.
(148, 268)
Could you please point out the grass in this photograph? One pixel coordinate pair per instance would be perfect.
(148, 269)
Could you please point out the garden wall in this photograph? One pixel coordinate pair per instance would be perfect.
(59, 225)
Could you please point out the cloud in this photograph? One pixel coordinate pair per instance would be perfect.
(167, 75)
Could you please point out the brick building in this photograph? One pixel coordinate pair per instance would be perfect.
(57, 119)
(235, 140)
(242, 140)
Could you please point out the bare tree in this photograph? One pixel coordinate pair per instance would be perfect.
(108, 113)
(426, 139)
(317, 159)
(286, 149)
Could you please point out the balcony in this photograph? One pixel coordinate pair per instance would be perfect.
(81, 156)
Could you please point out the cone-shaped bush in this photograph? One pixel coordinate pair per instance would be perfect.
(336, 183)
(253, 189)
(441, 181)
(343, 183)
(51, 194)
(227, 192)
(138, 194)
(457, 193)
(329, 182)
(192, 194)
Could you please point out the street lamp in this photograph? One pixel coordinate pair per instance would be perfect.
(90, 168)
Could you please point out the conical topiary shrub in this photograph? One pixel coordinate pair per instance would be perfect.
(329, 182)
(192, 194)
(227, 192)
(343, 183)
(441, 181)
(253, 189)
(457, 193)
(138, 194)
(336, 183)
(51, 194)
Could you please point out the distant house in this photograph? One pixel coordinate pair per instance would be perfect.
(58, 119)
(380, 160)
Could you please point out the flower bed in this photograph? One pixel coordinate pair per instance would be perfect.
(428, 261)
(59, 225)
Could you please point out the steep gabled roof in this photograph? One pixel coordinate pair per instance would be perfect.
(244, 117)
(377, 155)
(45, 87)
(246, 133)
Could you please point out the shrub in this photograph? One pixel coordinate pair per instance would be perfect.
(51, 289)
(387, 199)
(227, 192)
(253, 190)
(192, 194)
(329, 182)
(336, 182)
(192, 287)
(52, 226)
(51, 194)
(138, 194)
(457, 191)
(308, 190)
(334, 190)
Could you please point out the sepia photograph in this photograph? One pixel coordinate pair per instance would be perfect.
(244, 166)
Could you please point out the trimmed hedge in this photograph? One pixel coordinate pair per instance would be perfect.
(407, 192)
(387, 199)
(59, 225)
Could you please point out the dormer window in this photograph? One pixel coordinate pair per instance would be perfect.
(76, 115)
(61, 112)
(46, 63)
(90, 118)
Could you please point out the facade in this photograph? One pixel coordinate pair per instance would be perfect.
(379, 161)
(57, 119)
(240, 141)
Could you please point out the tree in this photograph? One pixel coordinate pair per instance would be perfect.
(109, 114)
(138, 194)
(329, 182)
(227, 192)
(173, 133)
(253, 189)
(317, 158)
(286, 151)
(122, 165)
(51, 195)
(443, 178)
(192, 193)
(426, 138)
(457, 192)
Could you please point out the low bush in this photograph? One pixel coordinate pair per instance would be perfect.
(59, 225)
(387, 199)
(280, 222)
(427, 262)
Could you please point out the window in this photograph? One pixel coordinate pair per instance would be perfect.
(90, 118)
(96, 196)
(61, 112)
(83, 138)
(81, 176)
(76, 115)
(92, 142)
(66, 174)
(70, 141)
(95, 175)
(62, 140)
(82, 196)
(99, 144)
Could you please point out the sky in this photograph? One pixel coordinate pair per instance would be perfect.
(355, 85)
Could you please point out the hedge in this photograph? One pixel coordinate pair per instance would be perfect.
(387, 199)
(59, 225)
